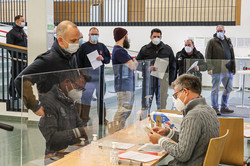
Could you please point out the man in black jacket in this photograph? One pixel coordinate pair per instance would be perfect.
(17, 36)
(97, 80)
(152, 85)
(61, 125)
(186, 57)
(59, 57)
(221, 65)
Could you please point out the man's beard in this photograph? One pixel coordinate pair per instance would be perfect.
(126, 43)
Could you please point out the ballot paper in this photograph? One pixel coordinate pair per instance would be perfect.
(247, 133)
(92, 59)
(71, 148)
(161, 66)
(149, 147)
(120, 145)
(192, 66)
(142, 157)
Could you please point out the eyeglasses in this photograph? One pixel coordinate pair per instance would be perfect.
(176, 93)
(80, 88)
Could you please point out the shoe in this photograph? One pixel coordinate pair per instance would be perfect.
(226, 110)
(217, 111)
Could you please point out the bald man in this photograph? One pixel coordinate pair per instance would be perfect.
(59, 57)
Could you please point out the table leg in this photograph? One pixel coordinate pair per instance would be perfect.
(243, 94)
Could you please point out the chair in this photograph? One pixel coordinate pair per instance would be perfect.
(214, 150)
(233, 153)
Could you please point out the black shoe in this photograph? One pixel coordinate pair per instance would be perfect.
(226, 110)
(217, 112)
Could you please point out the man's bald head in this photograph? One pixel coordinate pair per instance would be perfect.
(62, 28)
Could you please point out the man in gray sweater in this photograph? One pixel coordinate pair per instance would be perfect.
(199, 125)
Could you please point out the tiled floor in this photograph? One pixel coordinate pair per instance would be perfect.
(33, 143)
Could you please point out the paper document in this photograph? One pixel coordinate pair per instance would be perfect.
(92, 59)
(247, 133)
(71, 148)
(138, 156)
(192, 66)
(161, 66)
(120, 145)
(149, 147)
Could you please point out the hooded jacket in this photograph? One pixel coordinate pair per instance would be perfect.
(54, 59)
(215, 56)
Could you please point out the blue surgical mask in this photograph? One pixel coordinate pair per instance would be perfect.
(220, 35)
(94, 38)
(81, 41)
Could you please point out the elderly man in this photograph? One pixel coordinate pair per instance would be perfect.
(61, 125)
(199, 124)
(221, 65)
(186, 57)
(59, 57)
(83, 62)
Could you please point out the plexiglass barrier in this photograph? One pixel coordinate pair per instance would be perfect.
(71, 132)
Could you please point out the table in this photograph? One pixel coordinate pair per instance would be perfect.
(83, 156)
(244, 72)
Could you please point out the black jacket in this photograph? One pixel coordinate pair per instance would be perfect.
(54, 59)
(215, 56)
(184, 61)
(61, 124)
(150, 52)
(17, 36)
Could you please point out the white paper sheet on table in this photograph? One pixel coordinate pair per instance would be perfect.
(92, 59)
(247, 125)
(142, 157)
(192, 66)
(149, 147)
(161, 66)
(120, 145)
(247, 133)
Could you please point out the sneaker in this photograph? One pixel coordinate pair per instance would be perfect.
(226, 110)
(217, 111)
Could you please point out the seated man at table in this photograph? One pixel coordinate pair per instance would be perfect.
(62, 125)
(199, 124)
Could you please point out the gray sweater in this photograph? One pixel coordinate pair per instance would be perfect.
(199, 125)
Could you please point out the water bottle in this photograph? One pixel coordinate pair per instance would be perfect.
(114, 154)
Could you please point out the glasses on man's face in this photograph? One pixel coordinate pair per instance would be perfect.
(176, 93)
(80, 88)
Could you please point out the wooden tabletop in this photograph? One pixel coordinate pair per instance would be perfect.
(86, 156)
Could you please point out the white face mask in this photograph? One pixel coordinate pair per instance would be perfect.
(179, 104)
(74, 94)
(22, 24)
(72, 47)
(188, 49)
(156, 41)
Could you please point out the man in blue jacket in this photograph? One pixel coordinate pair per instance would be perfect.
(97, 80)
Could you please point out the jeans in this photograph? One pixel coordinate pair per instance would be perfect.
(227, 80)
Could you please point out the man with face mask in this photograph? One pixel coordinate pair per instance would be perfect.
(17, 36)
(61, 125)
(199, 124)
(83, 62)
(186, 57)
(221, 65)
(152, 85)
(123, 67)
(59, 57)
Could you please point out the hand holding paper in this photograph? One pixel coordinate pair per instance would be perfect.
(93, 59)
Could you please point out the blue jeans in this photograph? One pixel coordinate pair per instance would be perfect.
(227, 80)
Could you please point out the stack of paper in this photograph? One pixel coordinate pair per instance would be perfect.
(142, 157)
(149, 147)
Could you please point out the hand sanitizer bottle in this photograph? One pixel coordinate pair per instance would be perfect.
(82, 143)
(94, 144)
(114, 154)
